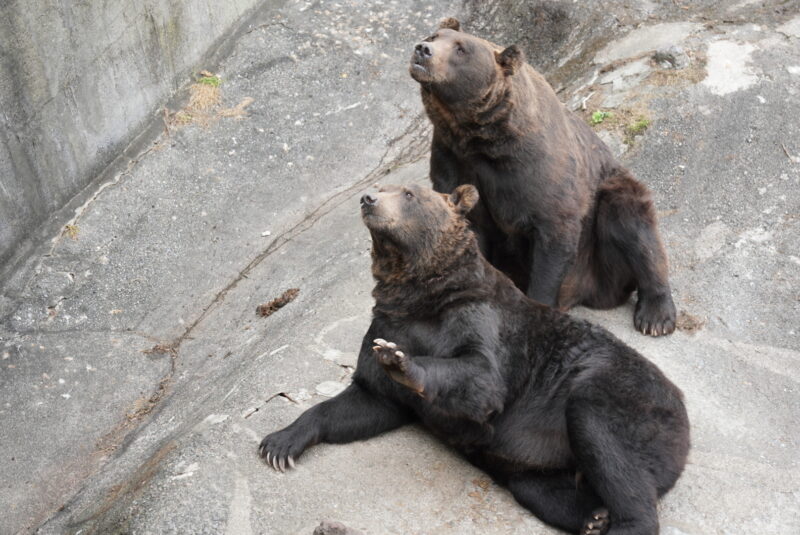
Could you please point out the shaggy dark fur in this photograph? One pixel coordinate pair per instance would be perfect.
(584, 431)
(559, 214)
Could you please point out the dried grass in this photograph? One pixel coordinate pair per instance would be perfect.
(205, 105)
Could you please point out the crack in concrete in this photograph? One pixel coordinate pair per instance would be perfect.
(254, 410)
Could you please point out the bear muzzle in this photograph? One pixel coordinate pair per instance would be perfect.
(420, 60)
(423, 52)
(368, 200)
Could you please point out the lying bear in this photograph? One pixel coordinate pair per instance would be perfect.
(558, 214)
(584, 431)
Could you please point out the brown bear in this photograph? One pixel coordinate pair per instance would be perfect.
(559, 214)
(584, 431)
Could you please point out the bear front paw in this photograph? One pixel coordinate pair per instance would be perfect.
(398, 365)
(280, 449)
(655, 315)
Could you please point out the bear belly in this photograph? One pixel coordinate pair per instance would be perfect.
(531, 449)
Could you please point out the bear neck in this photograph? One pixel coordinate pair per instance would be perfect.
(455, 271)
(487, 122)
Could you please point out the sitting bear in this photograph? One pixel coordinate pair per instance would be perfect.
(584, 431)
(558, 212)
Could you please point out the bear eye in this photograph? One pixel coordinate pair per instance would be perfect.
(409, 195)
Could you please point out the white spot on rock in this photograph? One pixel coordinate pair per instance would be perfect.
(756, 235)
(728, 67)
(187, 472)
(301, 395)
(331, 354)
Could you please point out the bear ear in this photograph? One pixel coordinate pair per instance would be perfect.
(510, 59)
(464, 197)
(450, 23)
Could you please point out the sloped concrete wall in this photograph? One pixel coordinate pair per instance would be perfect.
(78, 80)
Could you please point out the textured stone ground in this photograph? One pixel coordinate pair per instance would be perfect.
(136, 379)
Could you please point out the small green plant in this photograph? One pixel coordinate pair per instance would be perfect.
(212, 80)
(639, 126)
(599, 116)
(636, 128)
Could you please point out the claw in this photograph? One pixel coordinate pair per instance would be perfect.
(267, 457)
(380, 341)
(291, 461)
(282, 464)
(274, 462)
(391, 345)
(376, 348)
(400, 354)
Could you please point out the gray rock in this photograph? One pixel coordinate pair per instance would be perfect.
(328, 527)
(627, 76)
(671, 57)
(646, 38)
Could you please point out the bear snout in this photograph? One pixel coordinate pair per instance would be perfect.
(368, 200)
(423, 51)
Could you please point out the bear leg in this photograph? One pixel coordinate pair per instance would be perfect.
(630, 252)
(551, 259)
(355, 414)
(556, 499)
(613, 469)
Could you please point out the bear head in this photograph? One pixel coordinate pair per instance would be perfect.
(459, 67)
(417, 232)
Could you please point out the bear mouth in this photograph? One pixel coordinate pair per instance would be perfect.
(373, 220)
(419, 71)
(417, 65)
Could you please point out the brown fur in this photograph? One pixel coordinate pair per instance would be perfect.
(558, 213)
(584, 432)
(439, 249)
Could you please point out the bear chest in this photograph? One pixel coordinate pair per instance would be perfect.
(505, 192)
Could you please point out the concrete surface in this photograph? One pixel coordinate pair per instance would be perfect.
(137, 380)
(79, 81)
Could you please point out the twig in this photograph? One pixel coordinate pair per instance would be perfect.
(793, 159)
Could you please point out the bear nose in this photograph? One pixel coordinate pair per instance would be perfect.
(369, 200)
(423, 51)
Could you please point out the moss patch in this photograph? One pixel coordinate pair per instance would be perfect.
(636, 128)
(599, 116)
